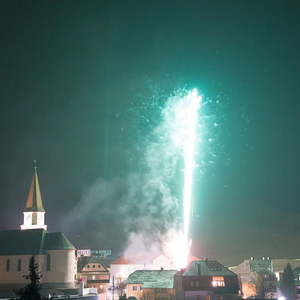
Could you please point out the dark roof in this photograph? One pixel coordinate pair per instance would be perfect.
(207, 268)
(153, 278)
(32, 242)
(57, 241)
(34, 200)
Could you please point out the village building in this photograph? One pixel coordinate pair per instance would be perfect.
(94, 272)
(255, 273)
(206, 280)
(151, 285)
(54, 253)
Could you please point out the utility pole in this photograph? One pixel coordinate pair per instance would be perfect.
(113, 288)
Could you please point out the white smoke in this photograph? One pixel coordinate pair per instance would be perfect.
(142, 211)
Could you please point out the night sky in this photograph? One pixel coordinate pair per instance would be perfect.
(79, 77)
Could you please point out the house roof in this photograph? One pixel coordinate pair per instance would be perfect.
(84, 260)
(207, 268)
(34, 199)
(153, 278)
(32, 242)
(121, 260)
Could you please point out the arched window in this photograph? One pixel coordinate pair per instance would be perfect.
(48, 262)
(19, 267)
(7, 265)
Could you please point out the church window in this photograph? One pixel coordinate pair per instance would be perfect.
(34, 218)
(19, 267)
(7, 265)
(48, 262)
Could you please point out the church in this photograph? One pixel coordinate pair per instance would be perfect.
(54, 253)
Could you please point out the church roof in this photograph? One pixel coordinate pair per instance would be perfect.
(34, 200)
(32, 242)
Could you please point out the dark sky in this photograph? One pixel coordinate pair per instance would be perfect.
(75, 74)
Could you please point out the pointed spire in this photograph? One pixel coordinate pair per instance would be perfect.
(34, 201)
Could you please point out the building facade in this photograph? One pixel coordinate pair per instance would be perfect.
(94, 272)
(151, 285)
(262, 275)
(206, 280)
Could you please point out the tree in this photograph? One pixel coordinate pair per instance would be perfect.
(265, 284)
(287, 283)
(32, 290)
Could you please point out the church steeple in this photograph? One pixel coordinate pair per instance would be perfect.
(34, 213)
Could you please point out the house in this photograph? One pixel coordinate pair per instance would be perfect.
(121, 268)
(151, 285)
(53, 252)
(94, 271)
(206, 279)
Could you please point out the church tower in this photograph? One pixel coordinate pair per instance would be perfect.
(34, 213)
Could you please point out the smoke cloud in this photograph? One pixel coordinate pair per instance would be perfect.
(140, 213)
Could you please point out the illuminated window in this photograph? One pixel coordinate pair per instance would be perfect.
(93, 277)
(218, 281)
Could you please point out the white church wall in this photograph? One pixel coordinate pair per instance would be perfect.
(13, 274)
(63, 267)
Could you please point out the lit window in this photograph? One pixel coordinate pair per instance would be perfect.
(218, 281)
(93, 277)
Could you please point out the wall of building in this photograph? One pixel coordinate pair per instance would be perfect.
(159, 294)
(63, 268)
(13, 276)
(120, 272)
(134, 290)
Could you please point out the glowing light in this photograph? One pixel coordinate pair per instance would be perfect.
(193, 101)
(181, 117)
